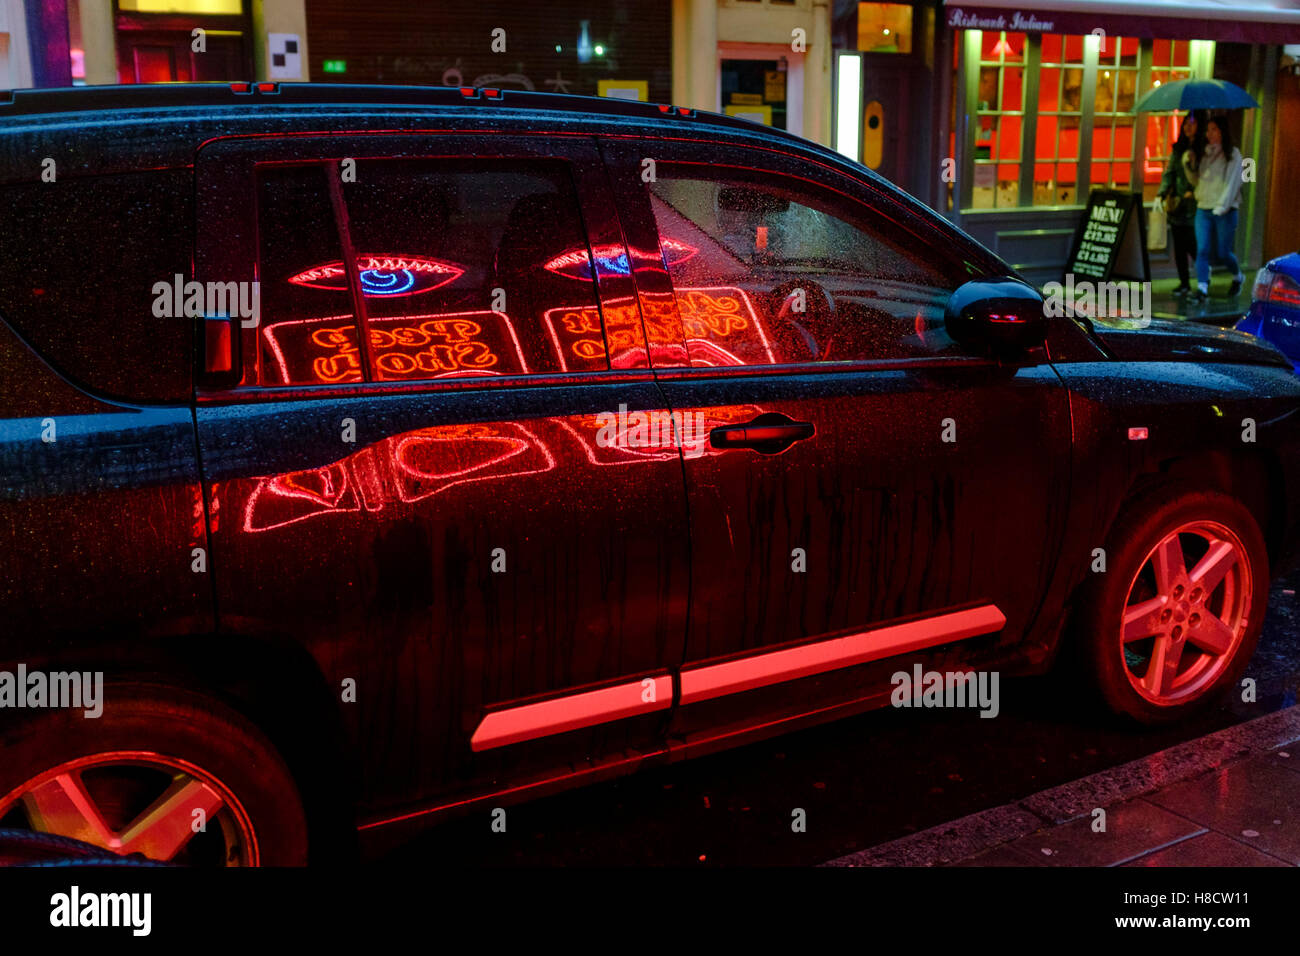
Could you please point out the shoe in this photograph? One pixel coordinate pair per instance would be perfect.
(1197, 295)
(1235, 287)
(1182, 290)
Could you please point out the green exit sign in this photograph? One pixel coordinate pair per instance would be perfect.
(335, 66)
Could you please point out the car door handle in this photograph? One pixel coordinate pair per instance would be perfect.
(769, 434)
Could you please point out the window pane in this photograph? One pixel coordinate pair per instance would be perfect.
(476, 268)
(885, 27)
(307, 334)
(765, 271)
(467, 268)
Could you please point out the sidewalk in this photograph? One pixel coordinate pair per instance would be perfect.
(1219, 309)
(1228, 799)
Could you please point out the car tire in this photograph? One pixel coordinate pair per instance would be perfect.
(1157, 640)
(210, 762)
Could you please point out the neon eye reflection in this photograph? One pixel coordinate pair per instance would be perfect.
(383, 275)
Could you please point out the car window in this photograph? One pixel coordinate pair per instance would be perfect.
(770, 270)
(467, 268)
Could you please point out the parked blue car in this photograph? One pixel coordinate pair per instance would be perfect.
(1274, 313)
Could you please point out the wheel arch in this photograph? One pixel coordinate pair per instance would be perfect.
(270, 681)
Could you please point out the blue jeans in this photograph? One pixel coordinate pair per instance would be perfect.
(1217, 235)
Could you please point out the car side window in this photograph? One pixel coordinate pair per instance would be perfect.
(770, 270)
(465, 268)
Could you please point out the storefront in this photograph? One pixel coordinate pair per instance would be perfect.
(91, 42)
(1038, 110)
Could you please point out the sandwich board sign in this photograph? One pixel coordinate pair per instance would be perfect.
(1110, 241)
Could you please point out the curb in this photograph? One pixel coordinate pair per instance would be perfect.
(973, 834)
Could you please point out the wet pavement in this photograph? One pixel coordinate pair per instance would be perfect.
(862, 782)
(1219, 309)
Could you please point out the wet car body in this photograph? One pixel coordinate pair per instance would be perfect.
(471, 599)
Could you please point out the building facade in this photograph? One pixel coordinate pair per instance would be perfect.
(1027, 108)
(1002, 117)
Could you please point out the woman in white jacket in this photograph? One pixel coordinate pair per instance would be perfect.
(1218, 194)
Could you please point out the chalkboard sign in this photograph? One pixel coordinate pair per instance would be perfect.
(1111, 240)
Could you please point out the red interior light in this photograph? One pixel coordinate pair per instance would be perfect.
(241, 87)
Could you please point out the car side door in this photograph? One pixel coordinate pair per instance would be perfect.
(861, 487)
(400, 455)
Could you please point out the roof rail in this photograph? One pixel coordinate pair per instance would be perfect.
(145, 96)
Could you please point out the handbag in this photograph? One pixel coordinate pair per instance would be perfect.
(1157, 228)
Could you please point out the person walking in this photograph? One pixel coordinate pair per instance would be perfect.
(1177, 191)
(1218, 194)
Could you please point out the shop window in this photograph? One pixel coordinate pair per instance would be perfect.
(999, 117)
(767, 270)
(885, 27)
(1113, 117)
(1170, 61)
(466, 269)
(1060, 110)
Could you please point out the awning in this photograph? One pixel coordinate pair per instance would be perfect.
(1229, 21)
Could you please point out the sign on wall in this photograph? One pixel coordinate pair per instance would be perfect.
(284, 59)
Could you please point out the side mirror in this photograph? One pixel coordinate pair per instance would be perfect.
(1005, 315)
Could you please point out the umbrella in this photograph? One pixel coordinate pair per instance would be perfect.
(1197, 95)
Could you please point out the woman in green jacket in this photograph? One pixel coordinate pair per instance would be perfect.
(1179, 182)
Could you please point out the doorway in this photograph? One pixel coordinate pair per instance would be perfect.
(763, 83)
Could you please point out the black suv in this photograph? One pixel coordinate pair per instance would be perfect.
(369, 454)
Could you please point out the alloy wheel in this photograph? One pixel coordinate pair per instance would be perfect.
(136, 802)
(1186, 613)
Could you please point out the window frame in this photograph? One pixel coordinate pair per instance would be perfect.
(227, 237)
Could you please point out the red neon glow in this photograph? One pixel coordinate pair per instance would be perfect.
(406, 468)
(722, 312)
(720, 322)
(389, 276)
(405, 347)
(613, 258)
(571, 712)
(693, 427)
(773, 667)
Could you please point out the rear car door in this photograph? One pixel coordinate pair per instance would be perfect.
(401, 456)
(860, 487)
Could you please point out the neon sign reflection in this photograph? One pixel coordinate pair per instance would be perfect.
(437, 345)
(383, 275)
(612, 259)
(415, 466)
